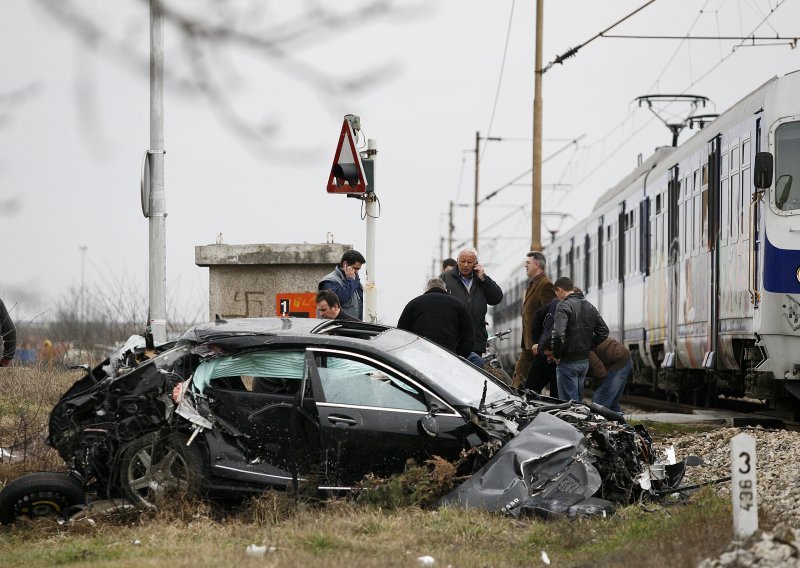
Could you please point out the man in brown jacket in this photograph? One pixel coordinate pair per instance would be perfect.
(539, 293)
(610, 362)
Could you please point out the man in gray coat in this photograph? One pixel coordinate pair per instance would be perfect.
(470, 283)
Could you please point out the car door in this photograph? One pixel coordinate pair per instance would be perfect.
(369, 415)
(258, 394)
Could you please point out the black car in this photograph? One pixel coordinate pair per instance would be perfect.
(248, 404)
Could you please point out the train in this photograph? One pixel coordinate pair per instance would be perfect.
(693, 259)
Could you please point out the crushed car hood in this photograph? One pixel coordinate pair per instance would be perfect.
(553, 467)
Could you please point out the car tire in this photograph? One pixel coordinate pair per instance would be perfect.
(40, 494)
(155, 467)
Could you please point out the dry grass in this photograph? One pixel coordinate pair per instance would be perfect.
(27, 394)
(388, 528)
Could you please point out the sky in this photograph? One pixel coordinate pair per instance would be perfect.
(250, 158)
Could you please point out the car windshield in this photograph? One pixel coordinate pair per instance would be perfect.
(456, 376)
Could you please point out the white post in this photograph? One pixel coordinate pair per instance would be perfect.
(743, 484)
(370, 287)
(158, 201)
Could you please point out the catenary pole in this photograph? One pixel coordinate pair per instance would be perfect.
(158, 204)
(372, 211)
(536, 190)
(475, 198)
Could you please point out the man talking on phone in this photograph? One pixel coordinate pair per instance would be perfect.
(344, 282)
(470, 283)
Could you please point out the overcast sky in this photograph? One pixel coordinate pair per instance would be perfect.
(74, 125)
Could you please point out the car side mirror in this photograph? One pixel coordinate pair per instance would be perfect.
(762, 170)
(782, 188)
(428, 423)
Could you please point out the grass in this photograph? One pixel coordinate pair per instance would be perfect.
(388, 528)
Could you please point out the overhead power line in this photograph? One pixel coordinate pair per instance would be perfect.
(776, 39)
(573, 50)
(571, 143)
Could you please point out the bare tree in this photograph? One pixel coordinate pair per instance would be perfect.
(213, 34)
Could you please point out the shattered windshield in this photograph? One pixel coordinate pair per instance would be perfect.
(456, 376)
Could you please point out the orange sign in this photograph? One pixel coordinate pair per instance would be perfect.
(296, 304)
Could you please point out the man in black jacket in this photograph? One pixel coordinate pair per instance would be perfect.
(543, 370)
(470, 284)
(438, 316)
(577, 328)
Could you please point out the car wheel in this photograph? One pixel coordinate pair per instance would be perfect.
(155, 467)
(40, 494)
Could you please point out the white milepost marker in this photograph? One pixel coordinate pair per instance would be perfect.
(743, 482)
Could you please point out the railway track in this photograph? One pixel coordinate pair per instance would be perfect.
(738, 413)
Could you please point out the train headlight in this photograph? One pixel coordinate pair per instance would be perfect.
(797, 274)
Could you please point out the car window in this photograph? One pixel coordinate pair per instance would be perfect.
(459, 378)
(266, 371)
(348, 381)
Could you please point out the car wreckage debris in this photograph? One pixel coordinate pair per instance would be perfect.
(247, 405)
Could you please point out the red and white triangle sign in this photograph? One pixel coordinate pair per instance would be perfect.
(347, 172)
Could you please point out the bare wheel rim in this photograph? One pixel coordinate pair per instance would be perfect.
(152, 482)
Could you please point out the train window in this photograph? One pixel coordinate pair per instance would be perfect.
(744, 216)
(658, 204)
(787, 166)
(705, 175)
(746, 153)
(734, 160)
(696, 181)
(704, 220)
(696, 229)
(725, 210)
(724, 167)
(686, 228)
(735, 207)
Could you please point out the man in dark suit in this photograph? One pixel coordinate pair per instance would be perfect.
(440, 317)
(539, 293)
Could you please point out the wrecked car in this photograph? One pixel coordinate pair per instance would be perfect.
(244, 405)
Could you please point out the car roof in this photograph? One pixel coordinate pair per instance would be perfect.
(288, 329)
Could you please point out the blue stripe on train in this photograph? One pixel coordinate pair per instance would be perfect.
(780, 269)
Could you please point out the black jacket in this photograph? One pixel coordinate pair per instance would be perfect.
(440, 317)
(542, 327)
(482, 293)
(577, 328)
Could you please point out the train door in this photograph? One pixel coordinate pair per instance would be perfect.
(622, 231)
(712, 237)
(599, 304)
(672, 271)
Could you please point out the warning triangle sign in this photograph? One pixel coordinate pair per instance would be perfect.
(347, 172)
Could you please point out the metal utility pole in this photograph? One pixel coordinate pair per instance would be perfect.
(475, 197)
(477, 178)
(82, 314)
(450, 229)
(536, 193)
(157, 212)
(370, 287)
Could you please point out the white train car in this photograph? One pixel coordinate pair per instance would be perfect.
(693, 259)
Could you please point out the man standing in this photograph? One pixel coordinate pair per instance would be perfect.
(438, 316)
(448, 264)
(539, 293)
(344, 282)
(8, 337)
(470, 283)
(328, 307)
(577, 328)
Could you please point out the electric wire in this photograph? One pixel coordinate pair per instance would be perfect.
(500, 78)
